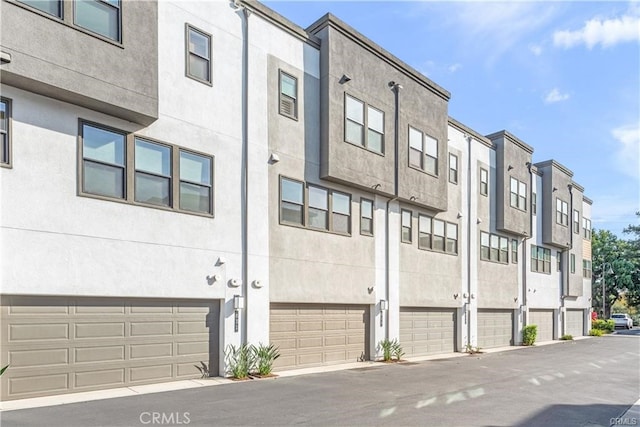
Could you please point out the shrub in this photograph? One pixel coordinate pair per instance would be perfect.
(529, 334)
(265, 355)
(473, 350)
(636, 319)
(240, 360)
(391, 349)
(397, 350)
(3, 369)
(567, 337)
(607, 326)
(595, 332)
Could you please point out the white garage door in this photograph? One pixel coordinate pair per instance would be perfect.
(425, 331)
(60, 345)
(495, 328)
(314, 335)
(575, 322)
(544, 320)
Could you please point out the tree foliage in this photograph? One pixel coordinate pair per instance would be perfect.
(620, 260)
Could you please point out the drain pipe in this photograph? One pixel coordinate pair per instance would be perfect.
(568, 266)
(469, 204)
(395, 88)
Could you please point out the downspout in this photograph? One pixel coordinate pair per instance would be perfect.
(395, 88)
(524, 243)
(568, 266)
(469, 204)
(245, 168)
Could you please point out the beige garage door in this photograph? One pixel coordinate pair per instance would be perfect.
(544, 320)
(425, 331)
(495, 328)
(60, 345)
(575, 322)
(313, 335)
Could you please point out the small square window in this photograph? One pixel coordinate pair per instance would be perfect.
(198, 55)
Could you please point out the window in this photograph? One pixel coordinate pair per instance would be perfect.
(103, 162)
(406, 226)
(586, 269)
(291, 201)
(424, 232)
(534, 203)
(356, 121)
(586, 226)
(518, 194)
(152, 173)
(484, 182)
(196, 190)
(366, 217)
(573, 263)
(576, 221)
(5, 132)
(288, 95)
(452, 238)
(423, 151)
(438, 235)
(318, 208)
(163, 175)
(453, 168)
(514, 251)
(99, 16)
(340, 212)
(540, 259)
(558, 261)
(52, 7)
(494, 248)
(198, 55)
(562, 212)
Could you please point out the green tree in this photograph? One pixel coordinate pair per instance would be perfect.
(633, 294)
(619, 259)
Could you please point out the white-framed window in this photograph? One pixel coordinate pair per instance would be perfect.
(423, 151)
(360, 117)
(288, 105)
(5, 132)
(406, 219)
(576, 221)
(484, 182)
(518, 194)
(366, 217)
(102, 17)
(162, 175)
(198, 55)
(453, 168)
(562, 212)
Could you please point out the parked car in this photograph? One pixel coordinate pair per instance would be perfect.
(622, 320)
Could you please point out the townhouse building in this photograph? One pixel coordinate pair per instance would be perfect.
(180, 177)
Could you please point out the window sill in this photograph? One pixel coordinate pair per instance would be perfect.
(381, 154)
(424, 171)
(144, 205)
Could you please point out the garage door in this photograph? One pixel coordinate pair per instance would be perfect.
(575, 322)
(544, 320)
(495, 328)
(60, 345)
(314, 335)
(425, 331)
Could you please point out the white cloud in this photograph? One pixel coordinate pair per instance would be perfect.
(535, 49)
(455, 67)
(554, 95)
(627, 155)
(607, 33)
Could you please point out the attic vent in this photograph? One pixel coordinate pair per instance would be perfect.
(287, 106)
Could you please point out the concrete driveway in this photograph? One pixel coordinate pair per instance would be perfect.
(588, 382)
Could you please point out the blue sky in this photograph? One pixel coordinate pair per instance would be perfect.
(562, 76)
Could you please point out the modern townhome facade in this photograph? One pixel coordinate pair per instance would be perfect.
(208, 174)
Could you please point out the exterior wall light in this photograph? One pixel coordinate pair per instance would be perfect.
(238, 304)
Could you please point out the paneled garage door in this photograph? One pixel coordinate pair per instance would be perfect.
(495, 328)
(313, 334)
(544, 320)
(425, 331)
(60, 345)
(575, 322)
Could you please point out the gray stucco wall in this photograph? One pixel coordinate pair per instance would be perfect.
(555, 185)
(57, 59)
(422, 105)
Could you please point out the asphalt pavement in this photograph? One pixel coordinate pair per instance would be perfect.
(588, 382)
